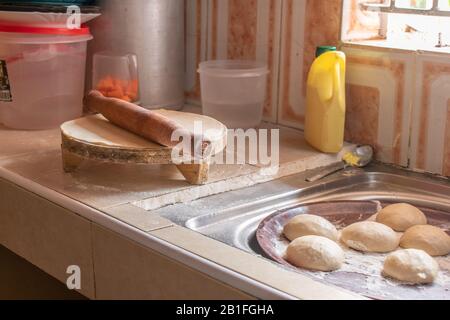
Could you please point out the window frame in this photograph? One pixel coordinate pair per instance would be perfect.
(359, 32)
(392, 8)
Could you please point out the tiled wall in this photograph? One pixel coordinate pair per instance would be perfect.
(397, 101)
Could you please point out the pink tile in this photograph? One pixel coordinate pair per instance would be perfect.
(363, 104)
(269, 110)
(389, 152)
(320, 29)
(195, 16)
(242, 27)
(432, 70)
(447, 144)
(287, 110)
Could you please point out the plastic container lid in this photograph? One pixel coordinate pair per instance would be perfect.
(42, 35)
(44, 7)
(41, 30)
(35, 14)
(233, 68)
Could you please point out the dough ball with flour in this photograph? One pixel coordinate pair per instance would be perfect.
(401, 216)
(310, 225)
(432, 240)
(411, 266)
(369, 236)
(315, 253)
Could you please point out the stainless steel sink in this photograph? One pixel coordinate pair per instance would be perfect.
(234, 217)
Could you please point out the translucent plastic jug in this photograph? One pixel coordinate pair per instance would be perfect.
(325, 105)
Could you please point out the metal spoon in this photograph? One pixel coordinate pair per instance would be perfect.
(363, 156)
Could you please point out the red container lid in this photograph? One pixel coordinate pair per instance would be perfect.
(41, 30)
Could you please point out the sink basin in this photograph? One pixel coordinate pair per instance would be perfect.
(237, 226)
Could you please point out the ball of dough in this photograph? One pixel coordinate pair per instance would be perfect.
(310, 225)
(401, 216)
(315, 253)
(369, 236)
(411, 266)
(432, 240)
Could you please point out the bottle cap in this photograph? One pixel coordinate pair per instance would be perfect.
(324, 49)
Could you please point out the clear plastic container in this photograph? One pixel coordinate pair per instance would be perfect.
(46, 73)
(116, 76)
(234, 91)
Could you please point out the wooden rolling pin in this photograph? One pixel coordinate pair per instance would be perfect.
(133, 118)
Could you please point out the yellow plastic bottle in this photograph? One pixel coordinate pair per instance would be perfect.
(325, 101)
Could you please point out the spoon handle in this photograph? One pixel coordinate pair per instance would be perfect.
(327, 171)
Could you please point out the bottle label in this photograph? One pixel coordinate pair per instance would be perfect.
(5, 87)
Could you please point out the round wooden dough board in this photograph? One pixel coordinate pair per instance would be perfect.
(94, 137)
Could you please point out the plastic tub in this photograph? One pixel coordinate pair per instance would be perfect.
(234, 92)
(46, 70)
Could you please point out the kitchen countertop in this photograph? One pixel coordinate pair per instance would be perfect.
(37, 157)
(120, 199)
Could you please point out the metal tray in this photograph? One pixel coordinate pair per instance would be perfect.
(361, 272)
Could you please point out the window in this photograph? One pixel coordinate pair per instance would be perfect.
(440, 5)
(410, 24)
(423, 7)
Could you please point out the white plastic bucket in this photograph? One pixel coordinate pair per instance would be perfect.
(234, 91)
(46, 70)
